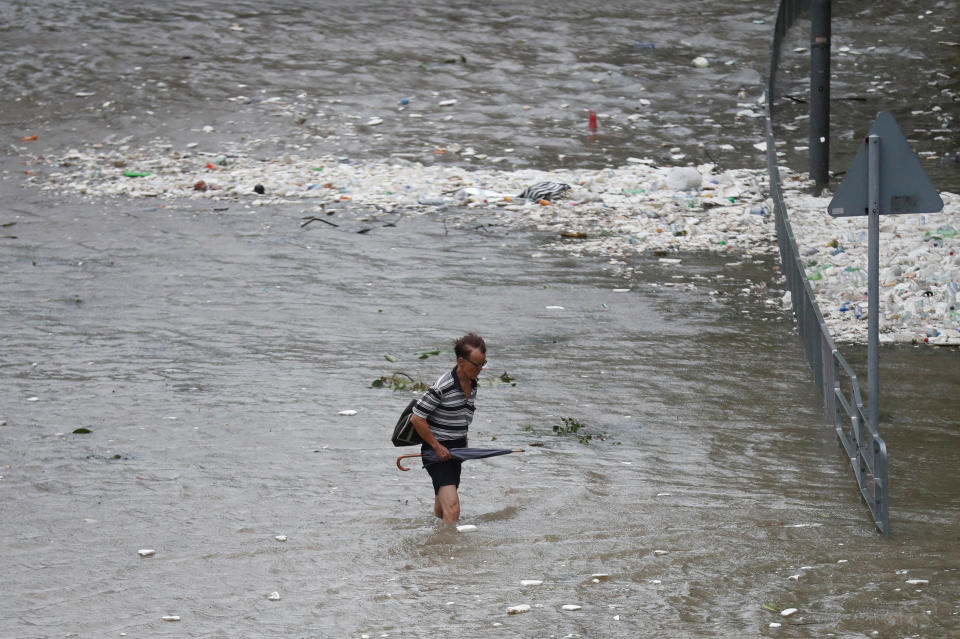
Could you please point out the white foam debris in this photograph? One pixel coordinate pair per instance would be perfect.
(518, 609)
(684, 178)
(348, 413)
(775, 624)
(531, 582)
(660, 553)
(281, 537)
(618, 213)
(571, 607)
(794, 577)
(918, 582)
(466, 528)
(170, 618)
(600, 576)
(147, 552)
(787, 612)
(274, 596)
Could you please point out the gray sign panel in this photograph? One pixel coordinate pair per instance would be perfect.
(904, 185)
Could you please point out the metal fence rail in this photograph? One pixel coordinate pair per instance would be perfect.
(834, 377)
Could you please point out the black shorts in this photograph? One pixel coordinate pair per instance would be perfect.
(445, 473)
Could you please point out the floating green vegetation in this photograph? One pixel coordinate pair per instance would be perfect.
(425, 353)
(82, 431)
(498, 380)
(570, 426)
(400, 381)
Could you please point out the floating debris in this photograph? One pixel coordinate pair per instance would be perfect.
(624, 211)
(518, 609)
(147, 552)
(170, 618)
(466, 528)
(786, 612)
(281, 537)
(274, 596)
(918, 582)
(531, 582)
(571, 607)
(347, 413)
(544, 191)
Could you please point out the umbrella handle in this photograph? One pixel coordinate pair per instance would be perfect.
(405, 457)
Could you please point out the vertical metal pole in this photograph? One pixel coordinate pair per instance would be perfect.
(873, 281)
(820, 92)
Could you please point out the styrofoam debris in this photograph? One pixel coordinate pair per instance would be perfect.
(274, 596)
(466, 528)
(147, 552)
(531, 582)
(281, 537)
(349, 412)
(571, 607)
(684, 178)
(775, 624)
(170, 618)
(518, 609)
(918, 582)
(786, 612)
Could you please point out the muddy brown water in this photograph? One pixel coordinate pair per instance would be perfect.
(209, 352)
(208, 348)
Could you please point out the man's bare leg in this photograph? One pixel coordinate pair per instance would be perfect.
(446, 506)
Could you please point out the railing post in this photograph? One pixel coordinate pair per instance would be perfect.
(829, 386)
(820, 92)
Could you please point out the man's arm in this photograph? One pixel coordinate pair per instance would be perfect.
(423, 429)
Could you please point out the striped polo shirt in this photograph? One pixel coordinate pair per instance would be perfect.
(445, 407)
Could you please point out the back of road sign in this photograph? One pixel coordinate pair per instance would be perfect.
(904, 185)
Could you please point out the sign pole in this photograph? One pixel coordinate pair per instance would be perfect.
(873, 282)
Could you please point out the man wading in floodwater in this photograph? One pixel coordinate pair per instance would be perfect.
(442, 417)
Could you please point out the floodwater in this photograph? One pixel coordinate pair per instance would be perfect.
(208, 348)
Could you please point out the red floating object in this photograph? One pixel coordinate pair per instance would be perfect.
(593, 120)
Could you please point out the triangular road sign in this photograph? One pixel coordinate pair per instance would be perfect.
(904, 185)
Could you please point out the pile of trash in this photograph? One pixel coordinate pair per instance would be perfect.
(614, 213)
(919, 271)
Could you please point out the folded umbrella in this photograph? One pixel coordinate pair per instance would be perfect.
(463, 454)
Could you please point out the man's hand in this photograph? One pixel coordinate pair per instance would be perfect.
(442, 453)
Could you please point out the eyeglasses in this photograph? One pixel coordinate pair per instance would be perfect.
(482, 364)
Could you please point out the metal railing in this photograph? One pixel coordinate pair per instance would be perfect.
(833, 375)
